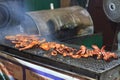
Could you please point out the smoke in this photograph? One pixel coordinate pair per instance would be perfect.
(41, 22)
(13, 17)
(16, 11)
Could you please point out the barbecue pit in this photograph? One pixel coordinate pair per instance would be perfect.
(59, 25)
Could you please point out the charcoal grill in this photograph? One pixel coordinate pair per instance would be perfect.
(57, 25)
(90, 67)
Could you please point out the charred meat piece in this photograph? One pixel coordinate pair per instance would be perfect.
(23, 42)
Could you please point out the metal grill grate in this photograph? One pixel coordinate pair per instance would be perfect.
(91, 64)
(85, 66)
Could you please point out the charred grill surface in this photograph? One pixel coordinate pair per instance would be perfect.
(86, 66)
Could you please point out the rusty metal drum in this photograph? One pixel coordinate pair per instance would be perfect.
(75, 19)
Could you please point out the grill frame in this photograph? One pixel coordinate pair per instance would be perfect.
(52, 61)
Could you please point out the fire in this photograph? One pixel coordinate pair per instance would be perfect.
(24, 42)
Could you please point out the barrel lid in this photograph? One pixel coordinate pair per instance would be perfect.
(112, 9)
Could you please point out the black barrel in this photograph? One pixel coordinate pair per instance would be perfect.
(11, 12)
